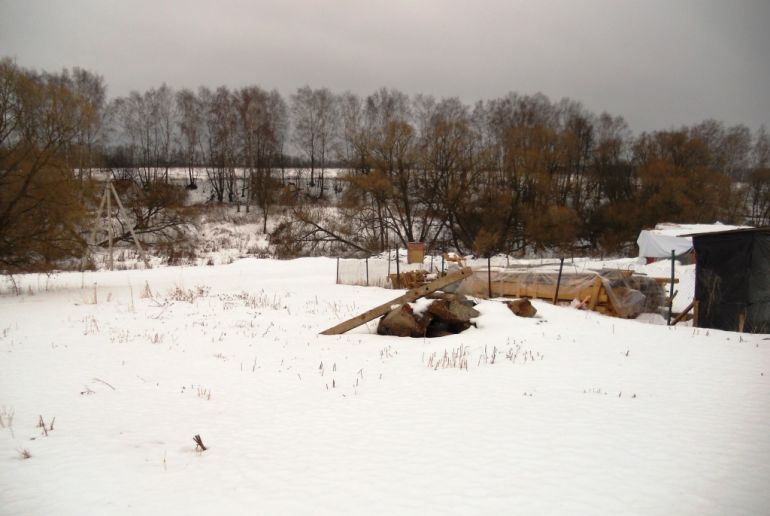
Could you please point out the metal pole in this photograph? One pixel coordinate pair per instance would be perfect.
(671, 290)
(109, 226)
(558, 282)
(398, 270)
(489, 275)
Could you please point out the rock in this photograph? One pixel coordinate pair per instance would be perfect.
(522, 307)
(402, 322)
(463, 311)
(452, 296)
(454, 316)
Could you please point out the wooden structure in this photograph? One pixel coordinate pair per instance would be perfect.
(732, 280)
(106, 211)
(415, 252)
(409, 297)
(617, 293)
(408, 279)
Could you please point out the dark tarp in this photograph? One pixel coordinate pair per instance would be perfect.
(733, 280)
(759, 286)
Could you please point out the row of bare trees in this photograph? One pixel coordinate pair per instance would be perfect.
(511, 174)
(523, 172)
(221, 132)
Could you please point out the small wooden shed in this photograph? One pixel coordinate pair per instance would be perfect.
(732, 280)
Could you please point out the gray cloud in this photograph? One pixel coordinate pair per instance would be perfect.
(658, 63)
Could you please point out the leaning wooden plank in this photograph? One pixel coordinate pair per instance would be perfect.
(412, 295)
(683, 314)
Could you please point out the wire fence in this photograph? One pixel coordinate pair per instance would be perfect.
(381, 270)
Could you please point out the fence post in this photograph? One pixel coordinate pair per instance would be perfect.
(558, 282)
(671, 290)
(367, 271)
(338, 271)
(398, 270)
(489, 275)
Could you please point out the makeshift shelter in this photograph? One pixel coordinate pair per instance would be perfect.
(655, 244)
(732, 280)
(609, 291)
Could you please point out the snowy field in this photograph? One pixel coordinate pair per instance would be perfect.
(567, 413)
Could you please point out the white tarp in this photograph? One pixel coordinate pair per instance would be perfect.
(656, 245)
(667, 237)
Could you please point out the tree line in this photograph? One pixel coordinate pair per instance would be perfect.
(512, 174)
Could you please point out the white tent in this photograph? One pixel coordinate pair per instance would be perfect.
(667, 237)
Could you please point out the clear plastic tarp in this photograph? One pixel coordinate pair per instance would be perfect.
(613, 291)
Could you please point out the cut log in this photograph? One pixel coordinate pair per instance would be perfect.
(410, 296)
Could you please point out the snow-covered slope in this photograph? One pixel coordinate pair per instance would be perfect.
(567, 413)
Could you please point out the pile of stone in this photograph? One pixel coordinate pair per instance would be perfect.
(446, 314)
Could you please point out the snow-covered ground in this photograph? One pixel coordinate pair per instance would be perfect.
(567, 413)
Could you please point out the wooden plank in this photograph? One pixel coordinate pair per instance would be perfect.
(695, 313)
(665, 280)
(683, 314)
(412, 295)
(595, 293)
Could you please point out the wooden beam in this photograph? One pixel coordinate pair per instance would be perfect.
(695, 313)
(595, 293)
(412, 295)
(683, 314)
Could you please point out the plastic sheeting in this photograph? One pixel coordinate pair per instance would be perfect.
(659, 242)
(624, 300)
(656, 245)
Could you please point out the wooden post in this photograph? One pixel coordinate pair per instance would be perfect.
(97, 225)
(367, 271)
(412, 295)
(122, 210)
(671, 290)
(597, 288)
(337, 281)
(558, 282)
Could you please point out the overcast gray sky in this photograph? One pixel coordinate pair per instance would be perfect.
(659, 63)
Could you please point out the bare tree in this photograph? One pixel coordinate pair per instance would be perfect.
(146, 123)
(190, 122)
(220, 145)
(314, 115)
